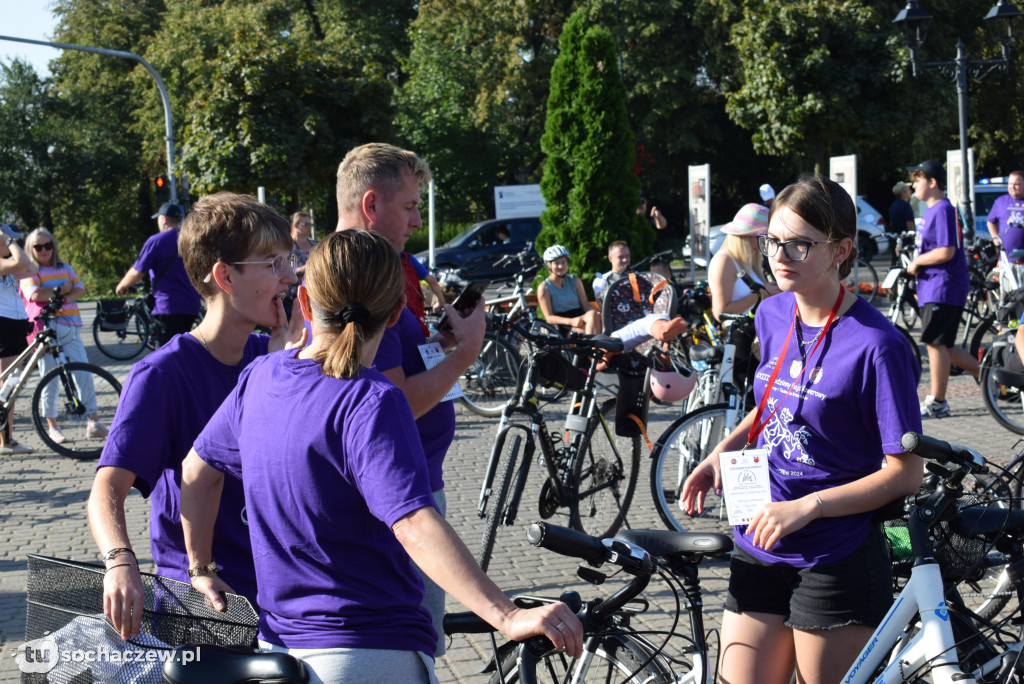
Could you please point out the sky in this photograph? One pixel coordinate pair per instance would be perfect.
(27, 19)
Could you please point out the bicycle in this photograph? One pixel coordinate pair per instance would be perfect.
(589, 474)
(613, 649)
(720, 404)
(862, 279)
(76, 385)
(929, 631)
(124, 327)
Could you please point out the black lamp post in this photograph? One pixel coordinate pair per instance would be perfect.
(913, 23)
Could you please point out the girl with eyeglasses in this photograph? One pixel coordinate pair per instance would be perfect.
(340, 509)
(836, 389)
(57, 277)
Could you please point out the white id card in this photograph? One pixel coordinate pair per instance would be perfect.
(432, 354)
(746, 483)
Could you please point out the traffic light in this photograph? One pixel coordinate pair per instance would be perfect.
(163, 189)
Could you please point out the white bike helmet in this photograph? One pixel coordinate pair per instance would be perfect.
(668, 386)
(554, 252)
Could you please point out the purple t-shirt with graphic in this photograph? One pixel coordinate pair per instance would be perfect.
(1008, 214)
(322, 501)
(949, 282)
(400, 347)
(849, 408)
(174, 293)
(165, 403)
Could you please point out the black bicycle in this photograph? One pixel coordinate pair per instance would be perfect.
(124, 327)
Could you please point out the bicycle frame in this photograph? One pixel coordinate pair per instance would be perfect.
(27, 361)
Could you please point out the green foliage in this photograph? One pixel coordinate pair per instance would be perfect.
(588, 184)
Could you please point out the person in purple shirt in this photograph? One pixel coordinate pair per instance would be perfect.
(1006, 220)
(810, 577)
(236, 252)
(379, 190)
(340, 509)
(176, 300)
(943, 282)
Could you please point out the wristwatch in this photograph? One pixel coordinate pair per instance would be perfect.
(203, 570)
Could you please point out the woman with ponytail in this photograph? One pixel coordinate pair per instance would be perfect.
(339, 510)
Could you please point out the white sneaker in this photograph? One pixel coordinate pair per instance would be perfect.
(13, 447)
(93, 430)
(56, 435)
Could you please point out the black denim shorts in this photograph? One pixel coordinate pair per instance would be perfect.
(939, 323)
(856, 590)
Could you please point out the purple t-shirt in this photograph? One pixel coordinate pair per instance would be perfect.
(850, 408)
(400, 347)
(949, 282)
(174, 293)
(322, 502)
(165, 403)
(1008, 214)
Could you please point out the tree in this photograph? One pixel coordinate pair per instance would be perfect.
(588, 184)
(26, 173)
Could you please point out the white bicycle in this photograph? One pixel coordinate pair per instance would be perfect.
(929, 634)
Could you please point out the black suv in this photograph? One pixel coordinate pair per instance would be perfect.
(475, 250)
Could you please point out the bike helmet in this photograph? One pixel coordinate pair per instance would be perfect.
(554, 252)
(668, 386)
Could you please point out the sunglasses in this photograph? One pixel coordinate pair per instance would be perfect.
(43, 246)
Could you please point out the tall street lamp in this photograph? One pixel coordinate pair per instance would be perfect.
(913, 24)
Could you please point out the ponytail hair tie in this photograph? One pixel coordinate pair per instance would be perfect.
(354, 312)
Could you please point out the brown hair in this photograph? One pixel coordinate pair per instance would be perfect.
(376, 166)
(617, 244)
(300, 214)
(228, 227)
(824, 204)
(354, 282)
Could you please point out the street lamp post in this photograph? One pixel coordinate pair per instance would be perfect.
(913, 23)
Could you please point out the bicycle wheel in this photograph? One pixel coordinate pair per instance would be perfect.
(127, 341)
(604, 476)
(72, 385)
(497, 514)
(490, 382)
(862, 280)
(1004, 402)
(607, 659)
(679, 450)
(988, 591)
(913, 348)
(984, 335)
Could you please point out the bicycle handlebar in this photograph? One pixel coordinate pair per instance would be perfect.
(602, 343)
(943, 452)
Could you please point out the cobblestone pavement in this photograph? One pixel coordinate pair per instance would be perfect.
(42, 510)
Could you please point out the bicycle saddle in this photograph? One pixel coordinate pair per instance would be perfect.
(209, 664)
(661, 543)
(606, 342)
(703, 352)
(1009, 378)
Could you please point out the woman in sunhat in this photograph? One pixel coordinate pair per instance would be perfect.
(738, 263)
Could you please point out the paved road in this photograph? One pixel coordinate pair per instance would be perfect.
(42, 510)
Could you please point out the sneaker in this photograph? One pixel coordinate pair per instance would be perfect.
(934, 409)
(94, 430)
(13, 447)
(55, 434)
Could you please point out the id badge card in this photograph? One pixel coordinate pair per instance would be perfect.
(746, 483)
(432, 354)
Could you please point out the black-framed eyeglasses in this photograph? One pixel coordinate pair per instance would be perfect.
(278, 264)
(795, 250)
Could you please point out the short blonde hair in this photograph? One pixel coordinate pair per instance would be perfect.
(376, 166)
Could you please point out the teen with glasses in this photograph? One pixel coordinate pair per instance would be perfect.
(237, 254)
(341, 510)
(836, 389)
(57, 277)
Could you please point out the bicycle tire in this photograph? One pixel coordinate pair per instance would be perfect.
(683, 446)
(496, 516)
(1003, 403)
(988, 594)
(613, 658)
(862, 280)
(72, 415)
(122, 344)
(604, 476)
(984, 335)
(490, 382)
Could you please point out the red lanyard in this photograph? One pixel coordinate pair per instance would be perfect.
(758, 426)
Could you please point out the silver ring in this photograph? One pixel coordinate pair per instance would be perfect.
(560, 626)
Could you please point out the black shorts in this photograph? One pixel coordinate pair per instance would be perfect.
(939, 323)
(13, 334)
(856, 590)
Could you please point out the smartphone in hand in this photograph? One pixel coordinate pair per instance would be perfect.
(466, 301)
